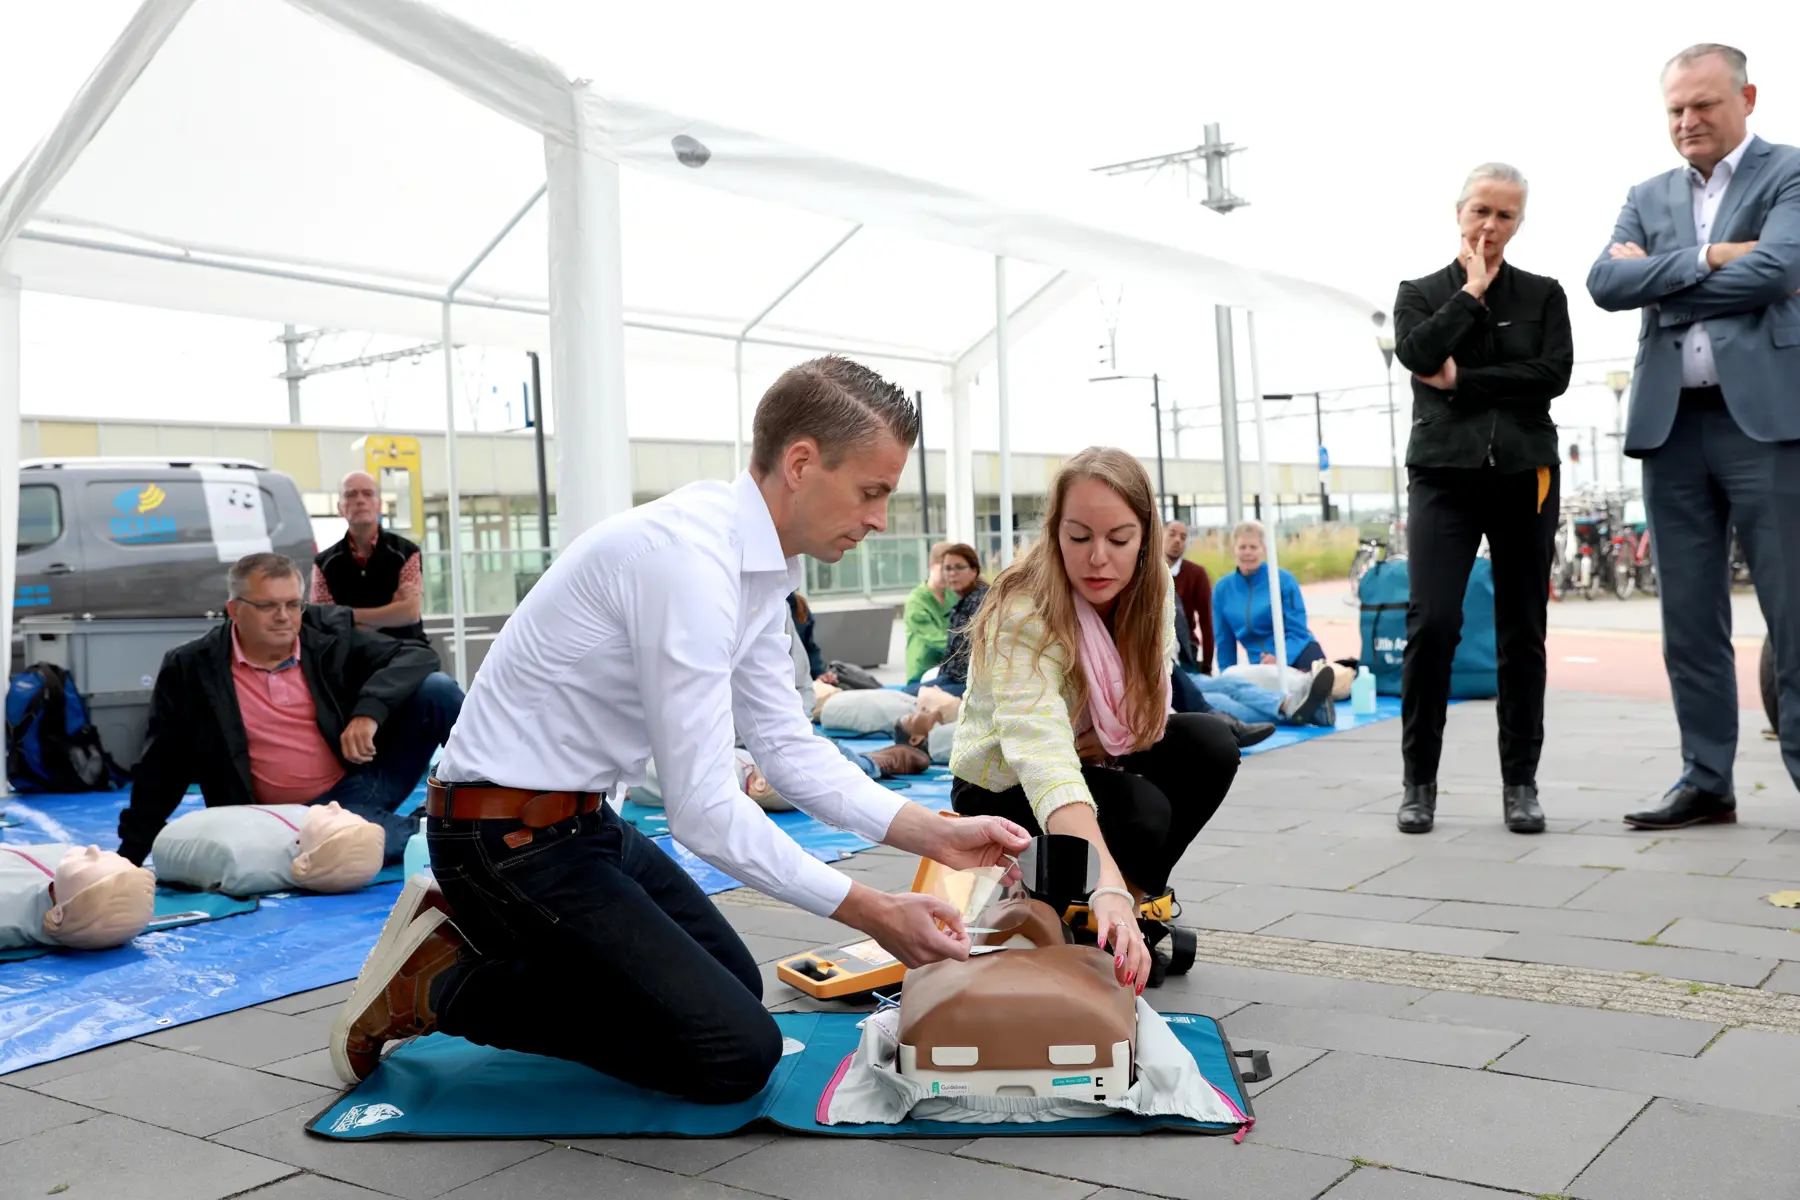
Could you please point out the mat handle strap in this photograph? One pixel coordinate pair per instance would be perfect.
(1259, 1065)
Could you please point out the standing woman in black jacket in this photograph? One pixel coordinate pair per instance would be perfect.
(1489, 348)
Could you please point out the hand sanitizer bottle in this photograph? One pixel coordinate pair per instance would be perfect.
(1362, 692)
(418, 854)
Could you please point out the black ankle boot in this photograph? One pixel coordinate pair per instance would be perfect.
(1418, 809)
(1522, 812)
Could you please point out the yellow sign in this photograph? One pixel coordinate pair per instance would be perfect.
(393, 459)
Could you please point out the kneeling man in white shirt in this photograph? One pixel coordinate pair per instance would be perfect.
(554, 927)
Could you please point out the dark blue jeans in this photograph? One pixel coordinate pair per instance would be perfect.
(588, 943)
(403, 748)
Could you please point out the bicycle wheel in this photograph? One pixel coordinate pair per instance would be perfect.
(1624, 577)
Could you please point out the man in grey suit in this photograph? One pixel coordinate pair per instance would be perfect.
(1709, 255)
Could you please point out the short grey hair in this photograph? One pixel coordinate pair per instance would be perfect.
(1499, 172)
(1734, 59)
(270, 566)
(1253, 527)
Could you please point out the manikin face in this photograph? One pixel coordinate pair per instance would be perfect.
(1250, 553)
(267, 618)
(1708, 114)
(1175, 540)
(1100, 538)
(1493, 210)
(831, 509)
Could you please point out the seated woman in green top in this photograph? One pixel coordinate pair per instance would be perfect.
(928, 620)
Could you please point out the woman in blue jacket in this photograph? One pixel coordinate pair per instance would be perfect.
(1241, 608)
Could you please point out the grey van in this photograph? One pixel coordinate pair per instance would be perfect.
(148, 538)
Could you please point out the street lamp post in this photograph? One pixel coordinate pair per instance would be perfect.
(1618, 381)
(1387, 357)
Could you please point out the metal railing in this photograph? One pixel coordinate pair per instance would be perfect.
(494, 581)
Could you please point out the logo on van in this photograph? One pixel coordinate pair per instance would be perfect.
(134, 526)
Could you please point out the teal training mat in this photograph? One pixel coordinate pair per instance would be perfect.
(443, 1087)
(174, 908)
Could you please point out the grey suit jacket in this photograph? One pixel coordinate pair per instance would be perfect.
(1751, 312)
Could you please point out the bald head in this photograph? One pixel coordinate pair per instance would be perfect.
(359, 503)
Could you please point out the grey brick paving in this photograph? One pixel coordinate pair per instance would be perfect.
(1681, 1151)
(1475, 1126)
(1345, 949)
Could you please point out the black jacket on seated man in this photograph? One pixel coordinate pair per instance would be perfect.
(339, 577)
(196, 732)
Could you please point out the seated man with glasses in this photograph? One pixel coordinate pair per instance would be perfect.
(289, 703)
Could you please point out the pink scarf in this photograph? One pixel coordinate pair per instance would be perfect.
(1106, 682)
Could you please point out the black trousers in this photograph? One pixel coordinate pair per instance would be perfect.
(1152, 805)
(1451, 508)
(589, 943)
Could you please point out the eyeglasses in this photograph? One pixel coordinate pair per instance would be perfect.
(291, 607)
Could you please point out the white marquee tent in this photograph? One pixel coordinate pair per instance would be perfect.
(381, 165)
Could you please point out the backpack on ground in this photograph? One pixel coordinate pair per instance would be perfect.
(50, 744)
(1474, 669)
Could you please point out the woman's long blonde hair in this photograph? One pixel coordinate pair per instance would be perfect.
(1137, 614)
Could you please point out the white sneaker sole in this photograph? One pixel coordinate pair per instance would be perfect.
(402, 933)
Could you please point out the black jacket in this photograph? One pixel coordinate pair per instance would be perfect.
(1513, 356)
(196, 732)
(371, 584)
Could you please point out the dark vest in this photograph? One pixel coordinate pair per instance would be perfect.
(372, 584)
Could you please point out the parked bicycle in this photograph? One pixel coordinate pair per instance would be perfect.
(1371, 550)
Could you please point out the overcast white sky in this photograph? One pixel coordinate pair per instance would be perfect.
(1360, 122)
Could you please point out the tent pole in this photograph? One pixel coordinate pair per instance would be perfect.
(959, 460)
(1001, 354)
(458, 634)
(737, 426)
(10, 347)
(1265, 485)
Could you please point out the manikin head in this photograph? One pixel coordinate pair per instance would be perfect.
(359, 503)
(339, 851)
(1709, 98)
(1491, 207)
(101, 900)
(265, 605)
(831, 438)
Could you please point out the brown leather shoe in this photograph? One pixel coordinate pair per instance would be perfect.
(392, 997)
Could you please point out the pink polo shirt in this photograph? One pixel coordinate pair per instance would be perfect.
(290, 761)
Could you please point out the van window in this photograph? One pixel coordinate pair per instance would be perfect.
(156, 512)
(271, 511)
(40, 515)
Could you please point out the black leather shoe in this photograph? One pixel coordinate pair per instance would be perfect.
(1685, 805)
(1522, 812)
(1418, 810)
(1246, 735)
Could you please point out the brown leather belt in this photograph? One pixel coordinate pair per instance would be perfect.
(486, 802)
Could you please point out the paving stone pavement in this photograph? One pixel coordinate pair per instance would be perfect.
(1594, 1013)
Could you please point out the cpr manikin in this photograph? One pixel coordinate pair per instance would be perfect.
(62, 896)
(1030, 1027)
(254, 849)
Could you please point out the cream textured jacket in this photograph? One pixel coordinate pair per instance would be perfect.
(1015, 726)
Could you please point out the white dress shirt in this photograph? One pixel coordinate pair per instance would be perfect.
(1697, 369)
(654, 634)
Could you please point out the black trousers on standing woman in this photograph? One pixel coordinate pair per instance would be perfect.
(1450, 509)
(1152, 804)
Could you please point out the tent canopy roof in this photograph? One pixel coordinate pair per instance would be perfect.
(342, 162)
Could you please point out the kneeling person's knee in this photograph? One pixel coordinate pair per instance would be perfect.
(1207, 739)
(738, 1067)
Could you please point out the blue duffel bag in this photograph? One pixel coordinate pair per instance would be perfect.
(1474, 671)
